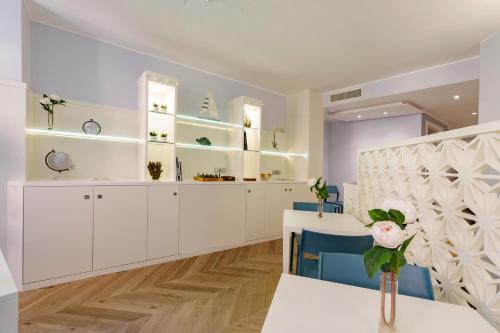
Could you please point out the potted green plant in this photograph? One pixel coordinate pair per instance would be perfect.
(153, 136)
(320, 191)
(155, 170)
(163, 108)
(247, 122)
(163, 137)
(155, 107)
(48, 102)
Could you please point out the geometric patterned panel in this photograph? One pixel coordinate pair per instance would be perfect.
(455, 184)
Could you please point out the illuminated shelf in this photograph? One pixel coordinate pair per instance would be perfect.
(195, 121)
(161, 142)
(162, 113)
(73, 135)
(282, 154)
(201, 147)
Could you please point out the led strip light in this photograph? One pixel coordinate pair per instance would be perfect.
(277, 153)
(193, 146)
(34, 131)
(208, 121)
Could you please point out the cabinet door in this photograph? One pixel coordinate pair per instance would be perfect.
(301, 193)
(256, 212)
(163, 221)
(211, 216)
(120, 225)
(57, 232)
(277, 200)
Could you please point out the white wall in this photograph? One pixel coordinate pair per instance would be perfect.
(489, 83)
(11, 40)
(344, 139)
(80, 68)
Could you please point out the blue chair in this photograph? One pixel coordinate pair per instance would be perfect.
(313, 207)
(333, 189)
(349, 269)
(310, 207)
(312, 243)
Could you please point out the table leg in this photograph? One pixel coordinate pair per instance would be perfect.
(286, 251)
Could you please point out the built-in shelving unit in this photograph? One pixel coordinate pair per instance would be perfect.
(83, 136)
(157, 113)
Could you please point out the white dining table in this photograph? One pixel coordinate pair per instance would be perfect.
(308, 305)
(294, 221)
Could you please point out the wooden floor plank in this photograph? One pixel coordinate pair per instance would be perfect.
(227, 291)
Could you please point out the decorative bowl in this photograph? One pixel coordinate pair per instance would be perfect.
(265, 176)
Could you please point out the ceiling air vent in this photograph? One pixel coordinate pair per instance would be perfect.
(345, 95)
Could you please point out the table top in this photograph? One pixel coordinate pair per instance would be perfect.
(308, 305)
(331, 223)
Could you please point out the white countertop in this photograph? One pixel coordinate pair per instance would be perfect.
(308, 305)
(117, 182)
(330, 223)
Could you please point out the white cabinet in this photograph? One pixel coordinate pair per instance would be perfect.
(120, 225)
(163, 221)
(277, 200)
(57, 232)
(256, 212)
(211, 216)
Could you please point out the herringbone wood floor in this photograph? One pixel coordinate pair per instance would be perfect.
(228, 291)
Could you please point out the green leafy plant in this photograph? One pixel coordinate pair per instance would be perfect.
(276, 130)
(155, 105)
(319, 189)
(247, 122)
(392, 233)
(153, 133)
(164, 135)
(48, 102)
(155, 170)
(163, 107)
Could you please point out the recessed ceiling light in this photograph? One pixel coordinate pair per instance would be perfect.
(456, 97)
(474, 113)
(358, 116)
(385, 112)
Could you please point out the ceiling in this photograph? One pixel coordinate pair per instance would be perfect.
(438, 102)
(284, 45)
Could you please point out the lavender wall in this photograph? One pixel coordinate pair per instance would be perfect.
(81, 68)
(343, 140)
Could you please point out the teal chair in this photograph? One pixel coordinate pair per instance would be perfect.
(312, 243)
(349, 269)
(333, 190)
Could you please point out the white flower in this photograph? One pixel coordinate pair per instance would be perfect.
(405, 207)
(388, 234)
(311, 182)
(54, 97)
(45, 100)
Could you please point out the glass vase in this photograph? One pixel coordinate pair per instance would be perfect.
(50, 120)
(388, 289)
(320, 207)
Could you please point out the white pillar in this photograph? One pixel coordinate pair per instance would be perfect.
(305, 133)
(489, 82)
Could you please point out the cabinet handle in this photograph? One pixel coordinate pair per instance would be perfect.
(99, 196)
(290, 190)
(249, 191)
(86, 197)
(286, 190)
(175, 194)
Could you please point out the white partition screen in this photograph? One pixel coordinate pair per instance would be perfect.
(454, 180)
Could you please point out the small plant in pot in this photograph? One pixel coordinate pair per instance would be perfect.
(153, 136)
(155, 170)
(155, 107)
(247, 123)
(163, 137)
(48, 102)
(163, 108)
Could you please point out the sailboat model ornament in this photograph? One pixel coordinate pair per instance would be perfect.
(208, 108)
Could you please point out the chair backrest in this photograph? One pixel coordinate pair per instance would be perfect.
(316, 242)
(313, 207)
(333, 189)
(350, 269)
